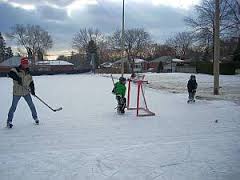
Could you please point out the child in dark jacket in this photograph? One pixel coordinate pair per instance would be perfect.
(120, 90)
(192, 87)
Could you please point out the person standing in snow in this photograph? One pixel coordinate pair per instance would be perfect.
(23, 85)
(192, 88)
(120, 90)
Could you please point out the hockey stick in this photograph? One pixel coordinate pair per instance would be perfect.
(113, 85)
(58, 109)
(112, 79)
(54, 110)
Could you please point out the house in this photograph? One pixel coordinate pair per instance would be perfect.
(185, 66)
(140, 65)
(54, 66)
(106, 65)
(170, 64)
(166, 64)
(41, 67)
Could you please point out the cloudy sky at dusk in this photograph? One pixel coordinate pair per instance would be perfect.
(63, 18)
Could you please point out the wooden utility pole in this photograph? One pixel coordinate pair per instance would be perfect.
(123, 39)
(216, 47)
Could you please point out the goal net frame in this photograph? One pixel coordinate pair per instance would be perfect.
(140, 93)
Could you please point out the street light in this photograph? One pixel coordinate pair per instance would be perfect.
(216, 48)
(122, 40)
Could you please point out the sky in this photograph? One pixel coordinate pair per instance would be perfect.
(63, 18)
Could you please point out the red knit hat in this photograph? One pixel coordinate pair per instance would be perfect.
(24, 60)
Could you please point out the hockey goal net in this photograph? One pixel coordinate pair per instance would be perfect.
(136, 99)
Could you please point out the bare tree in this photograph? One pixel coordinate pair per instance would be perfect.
(234, 21)
(203, 24)
(182, 43)
(84, 36)
(2, 48)
(104, 50)
(115, 41)
(157, 50)
(136, 41)
(32, 37)
(9, 52)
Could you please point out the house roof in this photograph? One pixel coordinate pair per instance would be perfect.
(15, 61)
(54, 63)
(162, 59)
(106, 64)
(139, 60)
(120, 60)
(125, 60)
(177, 60)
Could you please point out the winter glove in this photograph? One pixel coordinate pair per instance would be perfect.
(33, 92)
(114, 91)
(15, 77)
(19, 81)
(32, 88)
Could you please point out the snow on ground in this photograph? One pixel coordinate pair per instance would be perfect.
(88, 140)
(177, 83)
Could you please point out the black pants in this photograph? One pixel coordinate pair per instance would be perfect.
(121, 103)
(191, 95)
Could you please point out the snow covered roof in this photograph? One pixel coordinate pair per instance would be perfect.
(120, 60)
(54, 63)
(162, 59)
(177, 60)
(15, 61)
(11, 62)
(125, 60)
(107, 64)
(139, 60)
(167, 59)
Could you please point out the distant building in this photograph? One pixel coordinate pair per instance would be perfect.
(41, 67)
(54, 66)
(140, 65)
(166, 63)
(106, 65)
(170, 64)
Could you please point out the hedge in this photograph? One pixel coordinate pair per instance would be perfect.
(226, 68)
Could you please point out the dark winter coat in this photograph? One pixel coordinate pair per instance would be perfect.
(192, 85)
(22, 81)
